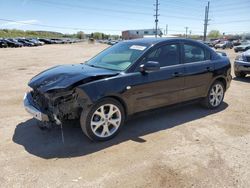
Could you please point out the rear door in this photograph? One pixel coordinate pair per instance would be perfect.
(198, 70)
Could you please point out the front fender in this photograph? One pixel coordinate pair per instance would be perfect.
(88, 94)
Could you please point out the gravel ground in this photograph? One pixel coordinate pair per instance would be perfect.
(182, 146)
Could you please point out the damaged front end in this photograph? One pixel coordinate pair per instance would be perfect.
(53, 97)
(53, 106)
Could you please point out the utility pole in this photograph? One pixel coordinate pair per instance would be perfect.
(186, 31)
(167, 29)
(206, 21)
(156, 17)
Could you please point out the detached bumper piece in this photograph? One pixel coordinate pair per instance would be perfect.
(31, 108)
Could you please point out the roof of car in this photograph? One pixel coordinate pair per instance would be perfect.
(152, 41)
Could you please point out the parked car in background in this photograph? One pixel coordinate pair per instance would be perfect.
(13, 43)
(224, 45)
(129, 77)
(3, 44)
(236, 42)
(243, 47)
(112, 42)
(57, 41)
(242, 64)
(214, 42)
(36, 42)
(26, 42)
(46, 41)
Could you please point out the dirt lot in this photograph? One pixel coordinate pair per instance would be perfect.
(185, 146)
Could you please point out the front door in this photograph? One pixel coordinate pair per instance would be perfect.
(162, 87)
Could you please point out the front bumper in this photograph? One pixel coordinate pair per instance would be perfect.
(32, 109)
(241, 66)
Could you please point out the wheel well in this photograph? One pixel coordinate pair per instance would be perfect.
(223, 81)
(121, 101)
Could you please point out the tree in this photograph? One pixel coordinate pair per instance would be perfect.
(214, 34)
(97, 35)
(80, 35)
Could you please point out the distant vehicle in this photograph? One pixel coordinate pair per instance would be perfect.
(242, 64)
(214, 42)
(46, 41)
(12, 44)
(67, 41)
(36, 42)
(112, 42)
(129, 77)
(243, 47)
(3, 44)
(224, 45)
(57, 41)
(236, 42)
(25, 42)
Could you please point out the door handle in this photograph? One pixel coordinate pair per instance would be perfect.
(177, 74)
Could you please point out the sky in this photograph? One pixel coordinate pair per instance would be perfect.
(114, 16)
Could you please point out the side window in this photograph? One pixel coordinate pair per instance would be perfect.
(166, 55)
(193, 53)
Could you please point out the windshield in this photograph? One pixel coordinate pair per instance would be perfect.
(118, 57)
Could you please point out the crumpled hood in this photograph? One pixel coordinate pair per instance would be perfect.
(63, 76)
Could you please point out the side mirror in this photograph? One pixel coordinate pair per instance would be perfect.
(150, 66)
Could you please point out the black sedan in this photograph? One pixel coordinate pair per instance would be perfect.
(3, 44)
(129, 77)
(12, 43)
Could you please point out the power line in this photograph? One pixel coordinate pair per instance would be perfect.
(94, 8)
(114, 10)
(56, 27)
(233, 21)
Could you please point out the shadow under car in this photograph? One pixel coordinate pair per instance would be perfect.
(48, 144)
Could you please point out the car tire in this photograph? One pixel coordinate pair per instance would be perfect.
(215, 95)
(99, 123)
(239, 74)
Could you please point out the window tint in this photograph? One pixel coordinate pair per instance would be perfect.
(194, 53)
(166, 55)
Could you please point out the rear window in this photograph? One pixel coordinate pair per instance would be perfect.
(193, 53)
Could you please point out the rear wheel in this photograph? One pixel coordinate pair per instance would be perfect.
(104, 120)
(215, 95)
(239, 74)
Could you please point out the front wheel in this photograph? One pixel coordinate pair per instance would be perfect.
(104, 120)
(215, 95)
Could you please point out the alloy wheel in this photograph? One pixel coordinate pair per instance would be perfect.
(106, 120)
(216, 95)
